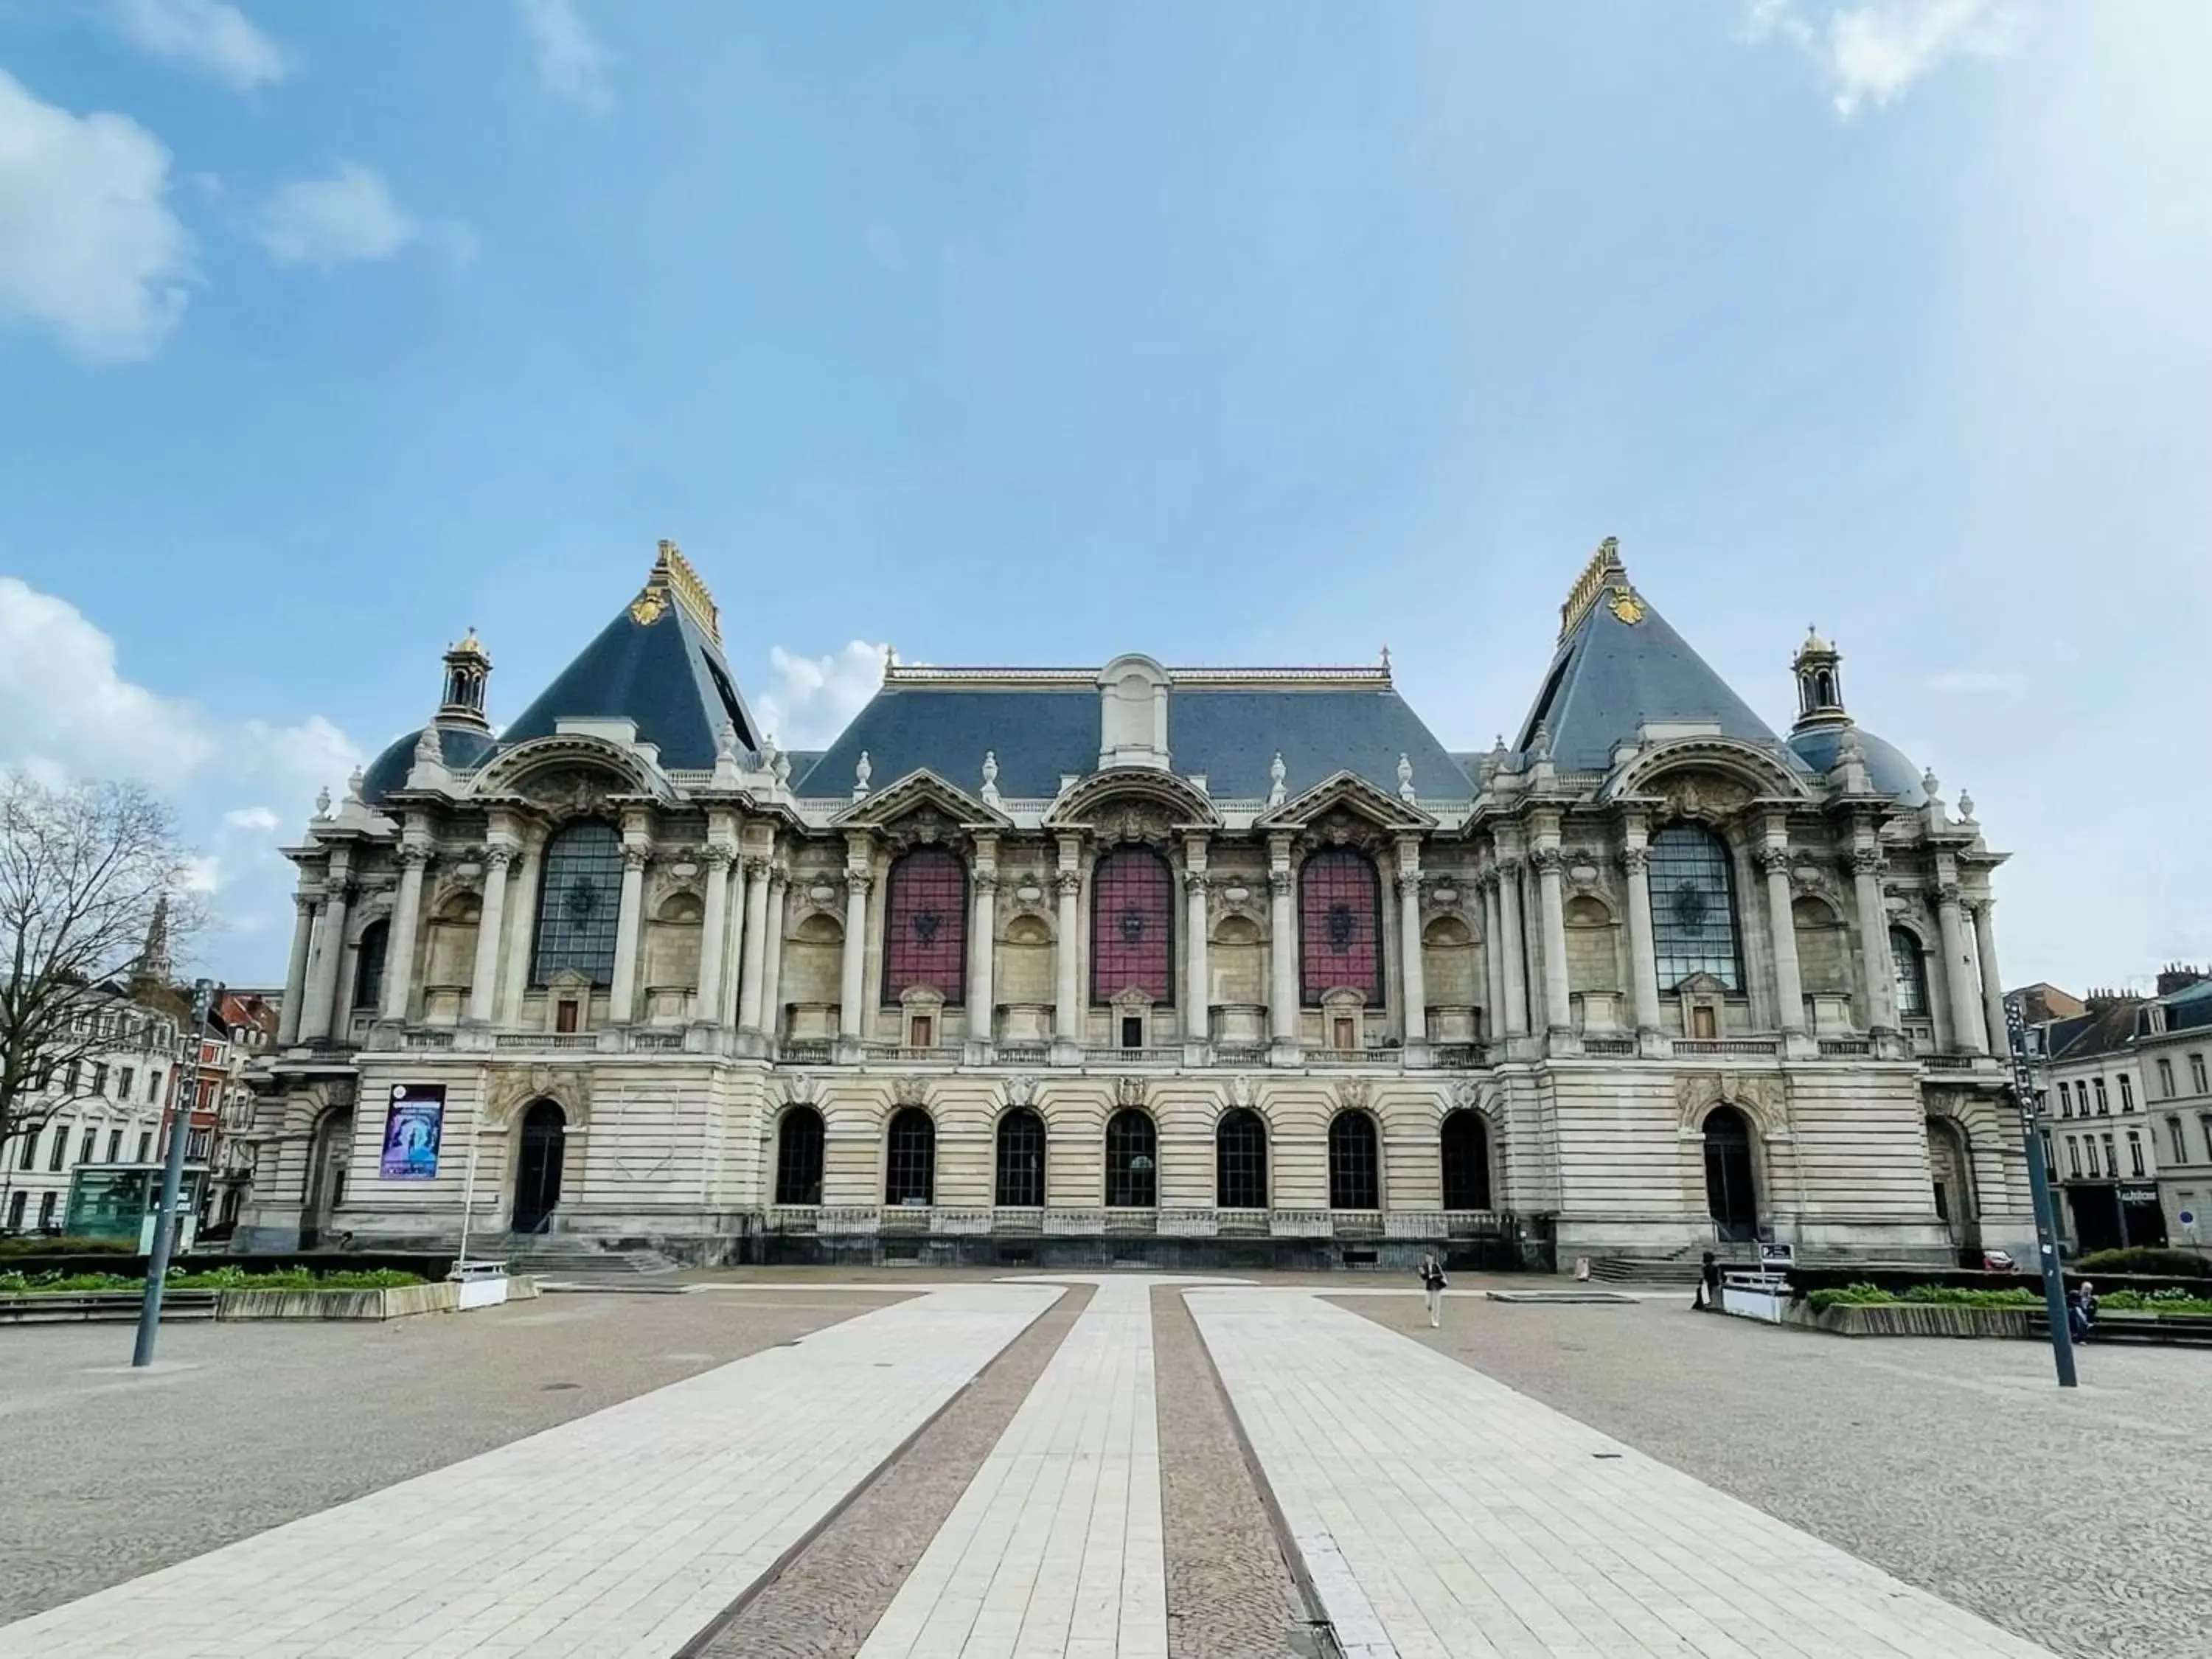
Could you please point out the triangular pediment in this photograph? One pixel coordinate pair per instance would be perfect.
(921, 791)
(1347, 792)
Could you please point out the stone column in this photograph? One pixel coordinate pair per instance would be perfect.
(315, 1020)
(1782, 934)
(1068, 976)
(296, 971)
(712, 925)
(1494, 960)
(1643, 966)
(779, 880)
(1198, 985)
(749, 993)
(630, 921)
(1413, 1025)
(853, 981)
(982, 944)
(1985, 949)
(1551, 906)
(522, 936)
(1516, 960)
(1282, 944)
(733, 944)
(483, 982)
(1878, 1010)
(1966, 1032)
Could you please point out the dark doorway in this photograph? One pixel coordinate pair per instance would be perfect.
(1467, 1162)
(1729, 1195)
(538, 1167)
(798, 1157)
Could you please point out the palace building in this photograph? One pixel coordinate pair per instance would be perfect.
(1189, 966)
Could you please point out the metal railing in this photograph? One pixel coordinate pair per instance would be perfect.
(1608, 1047)
(546, 1040)
(1844, 1047)
(1726, 1046)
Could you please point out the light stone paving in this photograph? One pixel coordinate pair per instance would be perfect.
(1055, 1551)
(1444, 1516)
(618, 1535)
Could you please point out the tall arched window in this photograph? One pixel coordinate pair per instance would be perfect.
(1240, 1161)
(1020, 1185)
(1910, 969)
(579, 903)
(798, 1157)
(1693, 908)
(1339, 926)
(1133, 926)
(1132, 1161)
(926, 925)
(369, 965)
(911, 1159)
(1355, 1166)
(1466, 1161)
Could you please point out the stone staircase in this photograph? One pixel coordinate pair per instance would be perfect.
(549, 1257)
(1678, 1270)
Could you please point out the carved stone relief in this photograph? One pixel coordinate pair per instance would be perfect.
(509, 1088)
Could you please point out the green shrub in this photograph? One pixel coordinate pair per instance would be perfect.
(1852, 1296)
(2143, 1259)
(65, 1284)
(215, 1279)
(2174, 1301)
(1945, 1295)
(37, 1244)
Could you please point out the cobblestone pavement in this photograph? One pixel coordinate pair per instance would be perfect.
(824, 1605)
(2082, 1521)
(106, 1475)
(1229, 1593)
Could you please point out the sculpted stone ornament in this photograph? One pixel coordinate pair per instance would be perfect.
(1548, 860)
(863, 770)
(1708, 799)
(801, 1089)
(1275, 775)
(1406, 780)
(1352, 1094)
(990, 777)
(1129, 1091)
(1636, 860)
(509, 1088)
(783, 771)
(1020, 1090)
(725, 741)
(322, 802)
(910, 1091)
(353, 787)
(1773, 860)
(1069, 881)
(427, 750)
(1868, 861)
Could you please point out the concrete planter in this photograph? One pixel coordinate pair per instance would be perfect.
(1912, 1319)
(396, 1303)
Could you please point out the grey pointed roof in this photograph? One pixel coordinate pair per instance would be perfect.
(658, 664)
(1227, 724)
(1618, 666)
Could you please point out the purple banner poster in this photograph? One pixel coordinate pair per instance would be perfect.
(412, 1131)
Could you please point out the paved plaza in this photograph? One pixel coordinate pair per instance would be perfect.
(903, 1467)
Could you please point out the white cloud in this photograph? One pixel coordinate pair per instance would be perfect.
(1979, 683)
(1872, 53)
(87, 244)
(815, 698)
(204, 36)
(66, 711)
(572, 63)
(348, 216)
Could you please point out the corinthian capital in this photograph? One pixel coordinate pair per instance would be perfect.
(1773, 860)
(1548, 860)
(413, 854)
(1069, 881)
(1636, 860)
(1196, 881)
(986, 879)
(857, 882)
(1868, 861)
(1946, 893)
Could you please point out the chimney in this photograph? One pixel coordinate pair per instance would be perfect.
(2176, 977)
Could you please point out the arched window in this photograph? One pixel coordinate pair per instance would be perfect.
(798, 1157)
(369, 965)
(537, 1167)
(1355, 1169)
(1693, 908)
(1466, 1161)
(926, 925)
(1910, 970)
(1132, 1161)
(1730, 1197)
(1240, 1161)
(1339, 926)
(1133, 926)
(1020, 1184)
(910, 1161)
(578, 904)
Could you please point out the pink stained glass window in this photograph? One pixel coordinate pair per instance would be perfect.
(1133, 926)
(926, 925)
(1339, 926)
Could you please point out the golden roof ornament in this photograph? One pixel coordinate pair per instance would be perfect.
(1604, 577)
(673, 581)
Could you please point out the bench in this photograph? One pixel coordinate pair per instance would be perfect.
(106, 1307)
(2174, 1330)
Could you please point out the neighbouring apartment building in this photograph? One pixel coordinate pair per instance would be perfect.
(106, 1108)
(1137, 963)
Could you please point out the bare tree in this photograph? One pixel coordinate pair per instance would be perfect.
(83, 871)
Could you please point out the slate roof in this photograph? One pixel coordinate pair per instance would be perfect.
(462, 748)
(1611, 674)
(1230, 734)
(1887, 768)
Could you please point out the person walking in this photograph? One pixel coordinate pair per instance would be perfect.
(1707, 1297)
(1433, 1284)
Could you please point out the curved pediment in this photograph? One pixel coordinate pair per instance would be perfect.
(567, 772)
(1716, 774)
(1162, 801)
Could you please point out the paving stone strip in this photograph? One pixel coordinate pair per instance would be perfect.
(1230, 1594)
(825, 1602)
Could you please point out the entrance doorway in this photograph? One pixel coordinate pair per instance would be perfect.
(1951, 1170)
(327, 1176)
(1729, 1196)
(537, 1167)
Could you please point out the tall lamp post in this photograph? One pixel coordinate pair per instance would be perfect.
(172, 1175)
(2038, 1185)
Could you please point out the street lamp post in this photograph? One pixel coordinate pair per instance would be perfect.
(173, 1176)
(2038, 1185)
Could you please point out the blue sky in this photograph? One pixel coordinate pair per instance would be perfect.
(1246, 332)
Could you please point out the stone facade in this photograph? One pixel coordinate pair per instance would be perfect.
(797, 1013)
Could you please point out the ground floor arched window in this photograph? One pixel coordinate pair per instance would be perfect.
(1020, 1183)
(798, 1157)
(1132, 1161)
(911, 1159)
(1355, 1164)
(1466, 1161)
(1240, 1161)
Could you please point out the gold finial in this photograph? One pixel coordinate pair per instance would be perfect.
(1604, 570)
(471, 645)
(674, 579)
